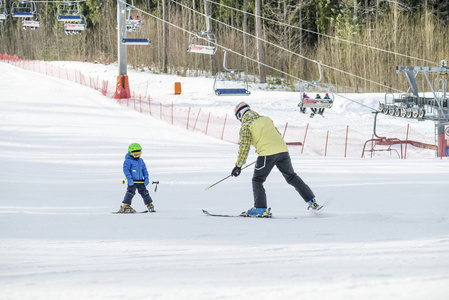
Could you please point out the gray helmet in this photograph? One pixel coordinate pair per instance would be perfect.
(241, 109)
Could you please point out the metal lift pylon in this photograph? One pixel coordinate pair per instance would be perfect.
(415, 104)
(122, 89)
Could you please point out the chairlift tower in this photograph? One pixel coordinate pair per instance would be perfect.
(418, 105)
(127, 24)
(122, 90)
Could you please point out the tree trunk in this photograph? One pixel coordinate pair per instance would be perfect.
(260, 59)
(245, 30)
(213, 66)
(164, 37)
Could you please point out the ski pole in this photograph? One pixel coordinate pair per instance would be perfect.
(229, 176)
(139, 181)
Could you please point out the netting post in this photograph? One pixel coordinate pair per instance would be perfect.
(207, 125)
(224, 126)
(372, 145)
(285, 129)
(194, 126)
(188, 117)
(304, 141)
(346, 142)
(406, 142)
(146, 92)
(327, 139)
(172, 121)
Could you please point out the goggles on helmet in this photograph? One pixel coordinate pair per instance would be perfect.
(136, 153)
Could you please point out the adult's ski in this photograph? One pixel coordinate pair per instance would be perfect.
(127, 213)
(235, 216)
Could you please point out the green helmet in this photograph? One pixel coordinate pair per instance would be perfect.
(134, 148)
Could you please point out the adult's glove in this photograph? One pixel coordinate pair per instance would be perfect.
(236, 171)
(146, 181)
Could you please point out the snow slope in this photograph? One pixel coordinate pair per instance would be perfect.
(383, 234)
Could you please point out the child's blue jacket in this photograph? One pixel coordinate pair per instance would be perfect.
(134, 169)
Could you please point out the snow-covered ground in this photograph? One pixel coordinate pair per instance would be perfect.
(383, 234)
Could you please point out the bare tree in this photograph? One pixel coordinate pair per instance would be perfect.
(262, 76)
(213, 66)
(164, 37)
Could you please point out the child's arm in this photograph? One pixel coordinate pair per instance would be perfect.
(127, 172)
(145, 173)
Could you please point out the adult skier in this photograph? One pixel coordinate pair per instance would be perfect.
(260, 132)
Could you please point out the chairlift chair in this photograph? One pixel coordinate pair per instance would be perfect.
(230, 82)
(133, 19)
(3, 13)
(137, 37)
(136, 31)
(69, 11)
(199, 43)
(33, 24)
(75, 27)
(23, 9)
(316, 94)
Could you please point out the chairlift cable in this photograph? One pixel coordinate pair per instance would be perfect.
(289, 51)
(214, 43)
(246, 57)
(326, 35)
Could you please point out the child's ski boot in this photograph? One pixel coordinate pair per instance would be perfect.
(126, 209)
(150, 207)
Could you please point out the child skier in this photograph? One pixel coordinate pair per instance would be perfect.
(137, 176)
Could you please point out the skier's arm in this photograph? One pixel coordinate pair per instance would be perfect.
(245, 144)
(145, 174)
(126, 171)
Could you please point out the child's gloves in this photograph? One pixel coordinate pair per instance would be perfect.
(146, 182)
(130, 182)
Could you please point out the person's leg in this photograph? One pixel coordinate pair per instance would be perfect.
(130, 192)
(263, 167)
(284, 164)
(141, 188)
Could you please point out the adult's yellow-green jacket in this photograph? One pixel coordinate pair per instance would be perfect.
(260, 132)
